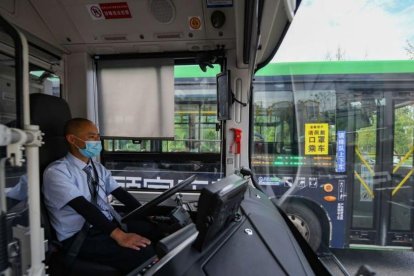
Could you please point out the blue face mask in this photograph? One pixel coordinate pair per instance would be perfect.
(92, 148)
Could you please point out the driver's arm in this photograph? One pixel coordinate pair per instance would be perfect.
(92, 214)
(113, 188)
(95, 217)
(126, 198)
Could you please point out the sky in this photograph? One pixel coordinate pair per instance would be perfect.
(358, 29)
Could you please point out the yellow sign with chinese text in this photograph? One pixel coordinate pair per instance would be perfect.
(316, 139)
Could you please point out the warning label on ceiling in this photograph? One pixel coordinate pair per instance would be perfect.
(118, 10)
(316, 139)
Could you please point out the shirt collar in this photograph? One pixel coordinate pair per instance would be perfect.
(77, 162)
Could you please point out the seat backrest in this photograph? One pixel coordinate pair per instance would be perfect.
(50, 113)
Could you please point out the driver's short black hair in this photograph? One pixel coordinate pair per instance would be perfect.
(74, 125)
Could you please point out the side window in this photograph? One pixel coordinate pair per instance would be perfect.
(9, 117)
(42, 81)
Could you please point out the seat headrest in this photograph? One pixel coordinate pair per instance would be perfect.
(50, 113)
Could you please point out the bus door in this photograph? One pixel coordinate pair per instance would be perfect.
(361, 111)
(400, 223)
(381, 132)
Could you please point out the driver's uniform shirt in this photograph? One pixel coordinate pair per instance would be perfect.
(64, 180)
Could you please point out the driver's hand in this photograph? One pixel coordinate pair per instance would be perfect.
(129, 240)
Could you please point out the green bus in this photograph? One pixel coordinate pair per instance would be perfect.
(359, 188)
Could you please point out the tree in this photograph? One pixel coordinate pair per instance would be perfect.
(403, 129)
(338, 55)
(410, 50)
(367, 137)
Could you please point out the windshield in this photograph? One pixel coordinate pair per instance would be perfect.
(333, 130)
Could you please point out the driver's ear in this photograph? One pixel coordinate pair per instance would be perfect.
(70, 138)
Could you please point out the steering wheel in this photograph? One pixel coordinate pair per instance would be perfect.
(144, 209)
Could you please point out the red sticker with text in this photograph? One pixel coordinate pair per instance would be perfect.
(118, 10)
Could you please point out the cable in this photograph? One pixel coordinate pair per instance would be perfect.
(236, 100)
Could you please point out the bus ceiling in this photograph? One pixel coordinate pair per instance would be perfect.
(154, 26)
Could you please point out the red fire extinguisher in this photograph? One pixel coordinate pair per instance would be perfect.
(236, 145)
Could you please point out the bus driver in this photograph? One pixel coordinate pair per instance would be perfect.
(76, 188)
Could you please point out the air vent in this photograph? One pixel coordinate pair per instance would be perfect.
(168, 35)
(162, 10)
(114, 37)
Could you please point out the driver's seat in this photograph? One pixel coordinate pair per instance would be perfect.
(50, 114)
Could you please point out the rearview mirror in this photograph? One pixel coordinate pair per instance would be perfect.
(223, 96)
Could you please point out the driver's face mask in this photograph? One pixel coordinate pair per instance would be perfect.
(92, 148)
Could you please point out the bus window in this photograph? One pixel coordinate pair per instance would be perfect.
(353, 185)
(195, 118)
(336, 145)
(44, 82)
(196, 146)
(41, 81)
(402, 162)
(195, 111)
(9, 117)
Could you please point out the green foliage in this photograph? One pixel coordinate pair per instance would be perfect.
(403, 130)
(367, 137)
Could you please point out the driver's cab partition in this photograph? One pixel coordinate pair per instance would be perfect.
(218, 206)
(234, 222)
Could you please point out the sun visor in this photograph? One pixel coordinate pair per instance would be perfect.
(136, 98)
